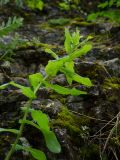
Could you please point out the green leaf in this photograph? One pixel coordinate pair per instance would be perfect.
(53, 54)
(9, 130)
(54, 66)
(76, 92)
(78, 53)
(75, 77)
(43, 125)
(118, 3)
(35, 79)
(64, 6)
(76, 38)
(69, 65)
(4, 86)
(111, 2)
(37, 4)
(52, 142)
(25, 90)
(63, 90)
(92, 17)
(28, 92)
(40, 5)
(103, 5)
(82, 80)
(12, 24)
(68, 41)
(41, 119)
(37, 154)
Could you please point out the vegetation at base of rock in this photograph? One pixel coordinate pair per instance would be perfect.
(40, 120)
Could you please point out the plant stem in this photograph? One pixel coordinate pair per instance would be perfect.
(20, 131)
(28, 105)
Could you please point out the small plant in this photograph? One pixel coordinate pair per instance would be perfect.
(68, 4)
(65, 64)
(7, 49)
(35, 4)
(111, 14)
(32, 4)
(10, 25)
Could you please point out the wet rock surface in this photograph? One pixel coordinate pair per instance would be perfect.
(75, 120)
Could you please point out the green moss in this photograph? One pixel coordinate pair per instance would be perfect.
(115, 141)
(82, 23)
(111, 83)
(111, 87)
(73, 123)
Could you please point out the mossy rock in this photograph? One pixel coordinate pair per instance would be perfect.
(111, 89)
(111, 83)
(74, 124)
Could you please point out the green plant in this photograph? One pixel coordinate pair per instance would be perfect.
(40, 120)
(109, 3)
(111, 14)
(10, 25)
(33, 4)
(7, 49)
(68, 4)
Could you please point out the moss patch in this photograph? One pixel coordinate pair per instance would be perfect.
(73, 123)
(111, 83)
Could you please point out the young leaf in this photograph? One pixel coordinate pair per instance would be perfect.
(80, 52)
(35, 79)
(75, 77)
(37, 154)
(68, 41)
(41, 119)
(82, 80)
(52, 142)
(69, 65)
(76, 38)
(9, 130)
(53, 54)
